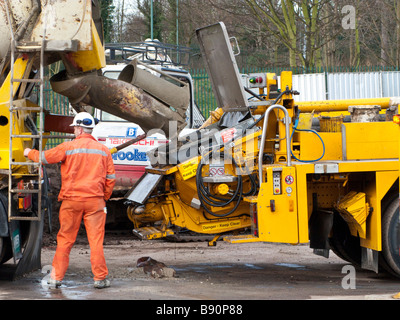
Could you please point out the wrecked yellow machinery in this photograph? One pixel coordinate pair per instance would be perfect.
(260, 171)
(273, 170)
(34, 35)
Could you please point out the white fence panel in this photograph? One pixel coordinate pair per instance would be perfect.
(391, 84)
(339, 86)
(354, 85)
(312, 87)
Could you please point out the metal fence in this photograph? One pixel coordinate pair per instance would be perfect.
(203, 92)
(57, 104)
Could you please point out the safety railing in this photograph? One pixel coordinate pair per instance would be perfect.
(264, 138)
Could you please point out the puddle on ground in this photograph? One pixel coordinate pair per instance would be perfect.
(203, 268)
(190, 268)
(68, 290)
(252, 266)
(291, 265)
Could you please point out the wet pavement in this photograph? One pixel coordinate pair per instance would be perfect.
(281, 281)
(227, 272)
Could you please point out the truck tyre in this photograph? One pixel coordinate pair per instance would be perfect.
(5, 242)
(5, 250)
(343, 244)
(390, 238)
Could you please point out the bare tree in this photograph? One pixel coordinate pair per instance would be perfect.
(296, 33)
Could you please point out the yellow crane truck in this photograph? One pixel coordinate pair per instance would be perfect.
(324, 173)
(267, 171)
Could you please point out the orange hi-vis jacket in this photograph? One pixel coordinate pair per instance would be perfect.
(87, 168)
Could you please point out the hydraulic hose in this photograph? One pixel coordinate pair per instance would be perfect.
(307, 130)
(206, 197)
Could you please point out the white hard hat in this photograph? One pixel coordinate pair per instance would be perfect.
(83, 119)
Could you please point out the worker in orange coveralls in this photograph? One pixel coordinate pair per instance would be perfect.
(87, 181)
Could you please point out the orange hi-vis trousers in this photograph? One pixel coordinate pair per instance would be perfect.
(94, 218)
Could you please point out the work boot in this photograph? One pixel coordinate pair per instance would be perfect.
(54, 284)
(101, 284)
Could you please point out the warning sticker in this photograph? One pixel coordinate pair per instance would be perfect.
(188, 169)
(217, 171)
(227, 135)
(221, 225)
(289, 179)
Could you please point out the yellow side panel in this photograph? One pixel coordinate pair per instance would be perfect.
(94, 59)
(4, 158)
(375, 194)
(311, 147)
(304, 200)
(277, 213)
(19, 69)
(374, 140)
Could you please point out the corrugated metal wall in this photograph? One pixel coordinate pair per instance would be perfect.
(354, 85)
(312, 87)
(390, 84)
(337, 86)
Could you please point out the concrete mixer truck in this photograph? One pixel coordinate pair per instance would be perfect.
(35, 34)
